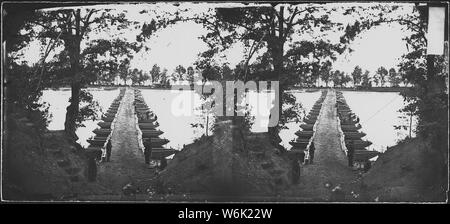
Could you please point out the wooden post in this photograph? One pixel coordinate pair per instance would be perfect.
(207, 121)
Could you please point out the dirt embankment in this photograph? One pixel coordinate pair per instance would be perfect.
(41, 166)
(410, 171)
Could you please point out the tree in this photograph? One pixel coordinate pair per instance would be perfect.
(307, 68)
(365, 80)
(163, 78)
(123, 70)
(155, 73)
(190, 75)
(227, 73)
(134, 76)
(337, 78)
(394, 78)
(138, 76)
(357, 75)
(382, 75)
(345, 79)
(257, 28)
(428, 74)
(376, 79)
(143, 77)
(69, 27)
(106, 59)
(211, 73)
(269, 27)
(325, 73)
(180, 71)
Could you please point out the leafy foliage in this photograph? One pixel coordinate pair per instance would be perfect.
(164, 78)
(138, 76)
(104, 60)
(394, 78)
(89, 108)
(366, 80)
(190, 75)
(340, 78)
(357, 75)
(155, 73)
(180, 72)
(65, 29)
(428, 98)
(382, 74)
(266, 30)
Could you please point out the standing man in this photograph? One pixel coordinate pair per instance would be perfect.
(350, 153)
(306, 158)
(147, 150)
(108, 150)
(301, 156)
(311, 152)
(162, 164)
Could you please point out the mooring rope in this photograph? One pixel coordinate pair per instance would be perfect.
(383, 107)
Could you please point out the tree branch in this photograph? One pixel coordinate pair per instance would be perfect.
(46, 53)
(252, 51)
(86, 21)
(291, 20)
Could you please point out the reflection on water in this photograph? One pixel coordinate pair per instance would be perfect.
(177, 110)
(378, 112)
(59, 100)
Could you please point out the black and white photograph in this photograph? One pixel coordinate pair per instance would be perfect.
(225, 102)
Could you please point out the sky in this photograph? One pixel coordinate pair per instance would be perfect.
(180, 43)
(381, 46)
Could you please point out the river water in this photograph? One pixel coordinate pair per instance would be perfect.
(177, 111)
(59, 100)
(378, 113)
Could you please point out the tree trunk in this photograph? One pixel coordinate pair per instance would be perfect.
(278, 69)
(72, 111)
(73, 44)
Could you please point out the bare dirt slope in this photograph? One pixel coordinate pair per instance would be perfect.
(42, 168)
(410, 171)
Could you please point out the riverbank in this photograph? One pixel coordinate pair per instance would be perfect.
(42, 165)
(410, 171)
